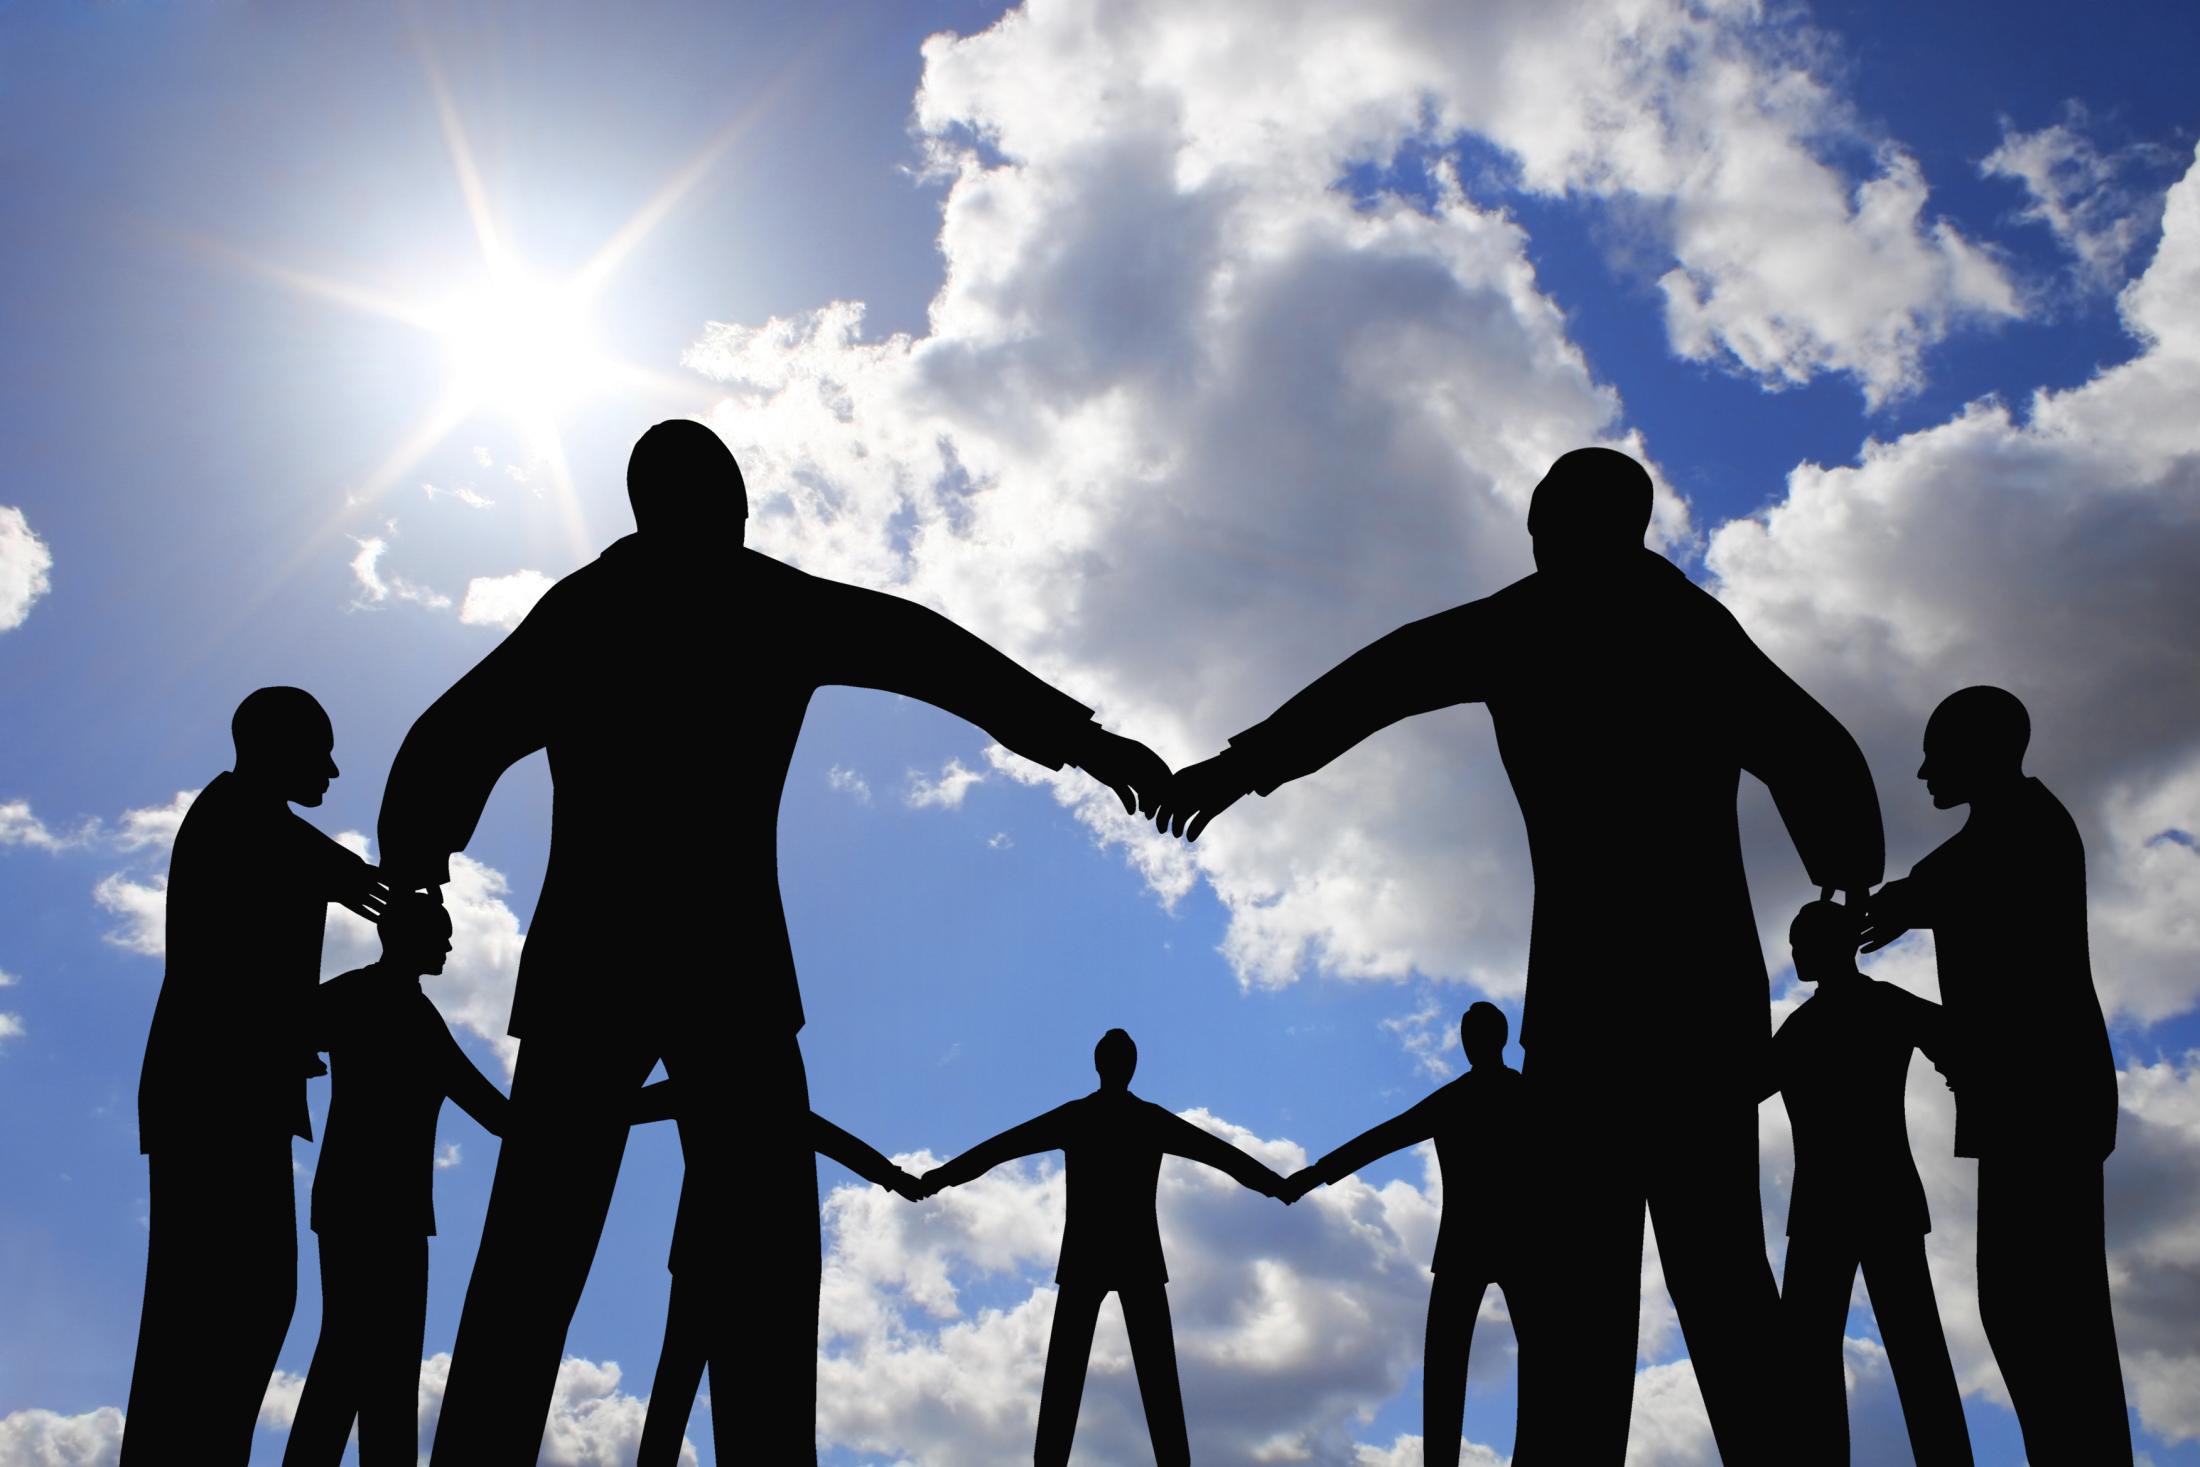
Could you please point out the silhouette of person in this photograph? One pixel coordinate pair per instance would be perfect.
(1481, 1130)
(703, 1285)
(1840, 1061)
(675, 647)
(223, 1088)
(1112, 1144)
(394, 1064)
(2034, 1078)
(1626, 703)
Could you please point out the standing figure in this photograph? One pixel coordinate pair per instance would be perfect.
(224, 1084)
(1112, 1144)
(1627, 704)
(2034, 1077)
(1841, 1062)
(394, 1062)
(1479, 1123)
(668, 680)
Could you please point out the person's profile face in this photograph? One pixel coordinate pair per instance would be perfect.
(308, 770)
(1945, 771)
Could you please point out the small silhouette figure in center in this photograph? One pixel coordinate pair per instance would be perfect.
(1840, 1061)
(1112, 1143)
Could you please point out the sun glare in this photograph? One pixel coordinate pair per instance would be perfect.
(521, 344)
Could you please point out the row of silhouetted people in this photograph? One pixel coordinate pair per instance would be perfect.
(1625, 766)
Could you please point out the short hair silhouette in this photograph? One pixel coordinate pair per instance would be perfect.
(1982, 727)
(277, 722)
(1484, 1028)
(1592, 497)
(678, 467)
(414, 924)
(1826, 927)
(1115, 1057)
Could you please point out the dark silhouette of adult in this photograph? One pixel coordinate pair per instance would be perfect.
(1481, 1128)
(224, 1084)
(393, 1063)
(1841, 1061)
(675, 653)
(1112, 1144)
(2029, 1059)
(1626, 702)
(709, 1277)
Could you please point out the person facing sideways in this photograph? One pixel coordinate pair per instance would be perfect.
(1840, 1062)
(224, 1084)
(1112, 1144)
(2034, 1076)
(1478, 1122)
(712, 1271)
(393, 1063)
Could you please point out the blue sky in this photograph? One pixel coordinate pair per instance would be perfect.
(1192, 353)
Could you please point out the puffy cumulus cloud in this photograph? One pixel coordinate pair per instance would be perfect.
(20, 826)
(11, 1026)
(24, 565)
(503, 601)
(2154, 1242)
(142, 904)
(849, 782)
(944, 793)
(1405, 1451)
(37, 1438)
(153, 826)
(2095, 203)
(377, 588)
(592, 1422)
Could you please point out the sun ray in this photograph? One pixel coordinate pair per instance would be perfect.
(347, 293)
(478, 207)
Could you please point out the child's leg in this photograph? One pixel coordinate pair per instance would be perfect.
(1452, 1303)
(388, 1351)
(331, 1395)
(1814, 1311)
(1909, 1322)
(679, 1373)
(1069, 1349)
(1153, 1356)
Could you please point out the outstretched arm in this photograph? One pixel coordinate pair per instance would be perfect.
(1040, 1133)
(1182, 1138)
(1815, 771)
(860, 1157)
(490, 1107)
(1415, 1124)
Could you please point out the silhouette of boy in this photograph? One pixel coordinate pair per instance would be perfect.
(1112, 1143)
(394, 1063)
(224, 1084)
(711, 1273)
(1479, 1125)
(1840, 1061)
(2034, 1077)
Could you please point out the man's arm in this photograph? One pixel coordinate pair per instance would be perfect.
(1925, 1024)
(1180, 1137)
(1415, 1124)
(1815, 771)
(860, 1157)
(1422, 666)
(336, 874)
(467, 1087)
(1040, 1133)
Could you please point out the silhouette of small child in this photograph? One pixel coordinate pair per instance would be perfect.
(1841, 1061)
(393, 1064)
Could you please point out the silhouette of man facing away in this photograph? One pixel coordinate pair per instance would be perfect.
(1841, 1061)
(394, 1063)
(674, 650)
(1479, 1124)
(1112, 1144)
(2034, 1077)
(708, 1278)
(1626, 703)
(224, 1084)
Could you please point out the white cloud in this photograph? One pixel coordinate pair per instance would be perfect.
(375, 588)
(24, 563)
(1000, 840)
(503, 601)
(35, 1438)
(2083, 195)
(143, 908)
(465, 494)
(11, 1026)
(849, 782)
(944, 793)
(154, 825)
(447, 1158)
(1405, 1451)
(20, 827)
(592, 1422)
(483, 458)
(1428, 1033)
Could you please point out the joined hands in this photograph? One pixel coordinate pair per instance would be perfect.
(1199, 792)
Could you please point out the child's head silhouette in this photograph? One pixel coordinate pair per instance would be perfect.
(1483, 1032)
(416, 933)
(1116, 1058)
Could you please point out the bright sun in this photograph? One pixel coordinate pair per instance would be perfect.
(521, 344)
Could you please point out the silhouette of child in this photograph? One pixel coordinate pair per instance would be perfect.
(1840, 1061)
(701, 1272)
(393, 1063)
(1478, 1123)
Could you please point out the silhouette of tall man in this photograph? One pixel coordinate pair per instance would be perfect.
(1112, 1144)
(224, 1084)
(1841, 1062)
(1626, 702)
(668, 681)
(1480, 1125)
(2034, 1077)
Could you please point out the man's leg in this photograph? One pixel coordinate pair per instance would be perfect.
(680, 1363)
(1917, 1349)
(2043, 1298)
(1153, 1356)
(393, 1322)
(331, 1396)
(1453, 1301)
(554, 1179)
(1814, 1312)
(1069, 1350)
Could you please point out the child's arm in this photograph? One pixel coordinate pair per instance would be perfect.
(1040, 1133)
(1925, 1024)
(860, 1157)
(1180, 1137)
(469, 1089)
(654, 1103)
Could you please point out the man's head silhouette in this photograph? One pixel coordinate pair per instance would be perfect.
(284, 741)
(1482, 1034)
(1974, 743)
(1116, 1058)
(416, 933)
(1591, 508)
(1823, 939)
(685, 486)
